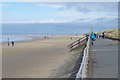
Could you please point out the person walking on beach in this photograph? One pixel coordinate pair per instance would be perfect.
(44, 37)
(8, 42)
(92, 37)
(13, 43)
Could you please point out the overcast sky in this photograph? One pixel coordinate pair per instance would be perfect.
(45, 12)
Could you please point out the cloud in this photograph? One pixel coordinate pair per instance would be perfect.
(92, 6)
(77, 6)
(85, 7)
(82, 20)
(37, 21)
(78, 11)
(100, 19)
(50, 5)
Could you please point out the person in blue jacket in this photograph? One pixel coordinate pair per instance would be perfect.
(92, 37)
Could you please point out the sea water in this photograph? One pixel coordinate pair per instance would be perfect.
(10, 38)
(14, 30)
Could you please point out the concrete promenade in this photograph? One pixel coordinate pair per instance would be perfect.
(104, 55)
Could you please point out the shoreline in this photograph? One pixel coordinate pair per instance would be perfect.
(34, 38)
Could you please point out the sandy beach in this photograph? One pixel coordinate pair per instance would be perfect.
(40, 58)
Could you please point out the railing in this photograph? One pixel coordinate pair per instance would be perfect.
(82, 73)
(76, 43)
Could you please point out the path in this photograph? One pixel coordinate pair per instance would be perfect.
(105, 59)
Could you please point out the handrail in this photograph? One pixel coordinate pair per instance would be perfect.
(77, 42)
(82, 72)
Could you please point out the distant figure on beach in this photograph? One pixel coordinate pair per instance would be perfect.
(13, 43)
(92, 37)
(8, 42)
(44, 37)
(76, 34)
(47, 37)
(71, 38)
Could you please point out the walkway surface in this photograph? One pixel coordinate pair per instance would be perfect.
(105, 59)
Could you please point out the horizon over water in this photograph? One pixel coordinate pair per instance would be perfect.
(14, 30)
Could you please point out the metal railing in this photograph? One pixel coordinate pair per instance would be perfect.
(76, 43)
(82, 73)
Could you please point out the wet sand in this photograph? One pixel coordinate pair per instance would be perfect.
(42, 58)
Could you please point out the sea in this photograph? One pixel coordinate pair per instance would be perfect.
(26, 31)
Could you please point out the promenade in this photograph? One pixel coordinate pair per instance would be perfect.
(104, 55)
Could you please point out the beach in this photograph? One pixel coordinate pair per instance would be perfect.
(39, 58)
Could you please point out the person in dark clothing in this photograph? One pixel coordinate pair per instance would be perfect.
(13, 43)
(95, 34)
(87, 37)
(100, 36)
(8, 44)
(103, 35)
(44, 37)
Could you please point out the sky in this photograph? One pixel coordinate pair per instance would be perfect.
(58, 12)
(60, 0)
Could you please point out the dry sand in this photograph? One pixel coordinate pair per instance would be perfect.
(37, 58)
